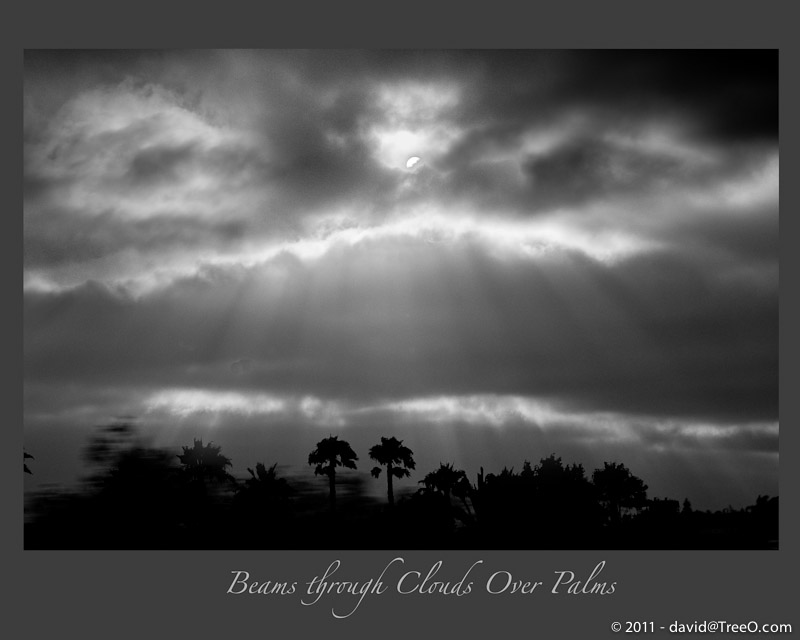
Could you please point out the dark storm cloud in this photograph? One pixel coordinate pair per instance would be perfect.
(727, 96)
(283, 135)
(712, 97)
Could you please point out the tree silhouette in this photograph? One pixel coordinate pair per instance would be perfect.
(265, 486)
(446, 479)
(560, 483)
(391, 453)
(618, 488)
(137, 496)
(203, 466)
(449, 481)
(204, 463)
(262, 502)
(329, 454)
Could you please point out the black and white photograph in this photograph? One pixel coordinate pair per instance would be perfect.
(365, 299)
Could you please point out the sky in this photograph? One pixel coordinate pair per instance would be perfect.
(235, 245)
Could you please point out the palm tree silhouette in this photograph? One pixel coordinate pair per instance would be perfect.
(446, 479)
(391, 453)
(329, 454)
(265, 485)
(204, 463)
(263, 497)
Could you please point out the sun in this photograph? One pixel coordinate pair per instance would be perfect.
(412, 162)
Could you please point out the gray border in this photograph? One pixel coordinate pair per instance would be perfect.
(161, 594)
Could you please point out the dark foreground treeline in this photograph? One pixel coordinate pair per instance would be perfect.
(140, 497)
